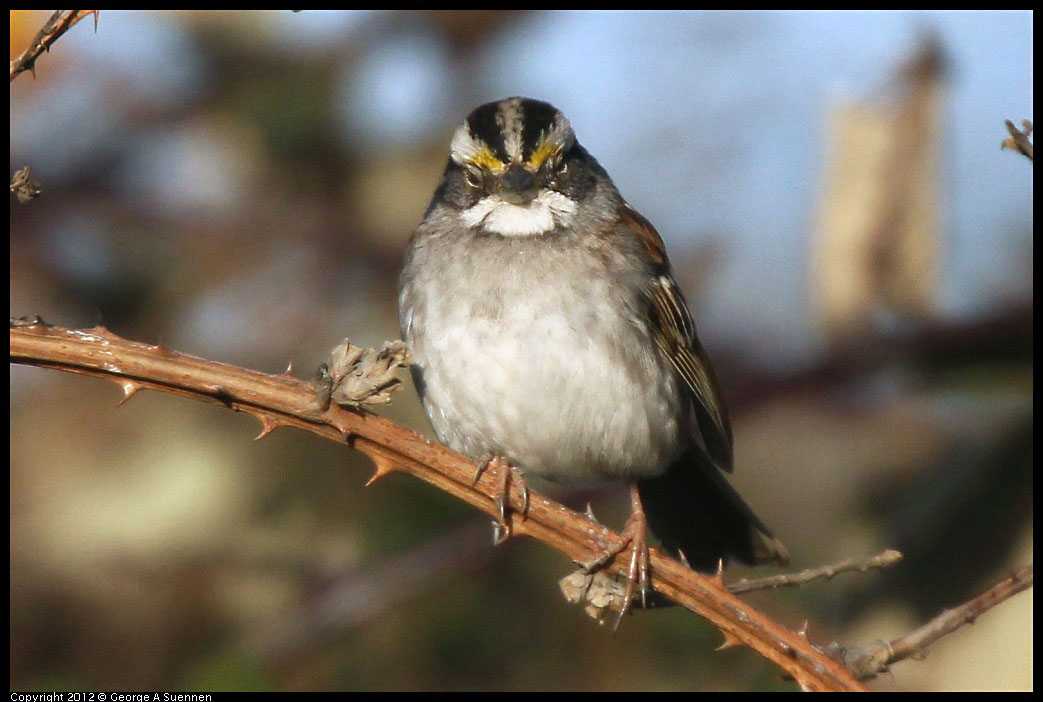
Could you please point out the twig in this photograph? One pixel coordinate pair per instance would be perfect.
(602, 595)
(1019, 138)
(283, 400)
(58, 24)
(876, 658)
(881, 560)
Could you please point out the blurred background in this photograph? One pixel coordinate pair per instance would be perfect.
(854, 244)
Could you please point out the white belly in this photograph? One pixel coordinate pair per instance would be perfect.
(566, 383)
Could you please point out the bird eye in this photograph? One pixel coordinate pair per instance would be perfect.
(473, 179)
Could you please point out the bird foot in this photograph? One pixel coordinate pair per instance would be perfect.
(634, 536)
(505, 475)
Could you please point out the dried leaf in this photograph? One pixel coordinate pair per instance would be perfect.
(359, 376)
(24, 187)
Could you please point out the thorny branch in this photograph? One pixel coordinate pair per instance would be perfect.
(283, 400)
(58, 24)
(881, 560)
(876, 658)
(22, 185)
(603, 594)
(1019, 138)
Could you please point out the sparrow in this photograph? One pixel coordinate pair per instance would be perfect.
(549, 338)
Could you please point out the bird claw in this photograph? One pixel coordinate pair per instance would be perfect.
(634, 535)
(506, 474)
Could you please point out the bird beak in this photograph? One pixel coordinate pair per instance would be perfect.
(518, 185)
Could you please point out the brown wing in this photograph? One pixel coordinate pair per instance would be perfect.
(675, 335)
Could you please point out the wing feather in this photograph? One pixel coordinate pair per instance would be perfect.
(674, 332)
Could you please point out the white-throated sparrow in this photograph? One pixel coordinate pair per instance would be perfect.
(547, 331)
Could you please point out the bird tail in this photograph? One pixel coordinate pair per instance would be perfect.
(695, 511)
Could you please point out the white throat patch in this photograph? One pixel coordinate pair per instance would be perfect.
(543, 213)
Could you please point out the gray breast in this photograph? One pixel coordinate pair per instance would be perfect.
(539, 352)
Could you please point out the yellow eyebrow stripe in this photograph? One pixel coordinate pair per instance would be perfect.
(484, 158)
(546, 149)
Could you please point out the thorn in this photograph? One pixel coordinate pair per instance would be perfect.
(130, 388)
(718, 577)
(730, 640)
(384, 466)
(288, 373)
(802, 632)
(36, 321)
(96, 13)
(268, 425)
(684, 558)
(590, 512)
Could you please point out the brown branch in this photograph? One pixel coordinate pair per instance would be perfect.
(282, 400)
(603, 594)
(881, 560)
(1019, 138)
(869, 661)
(58, 24)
